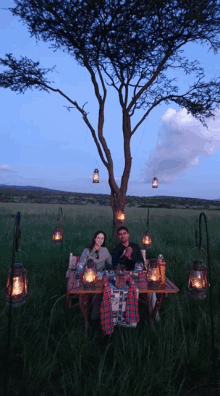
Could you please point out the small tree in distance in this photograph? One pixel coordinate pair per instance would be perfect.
(128, 45)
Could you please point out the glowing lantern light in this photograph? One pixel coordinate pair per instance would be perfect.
(57, 235)
(89, 274)
(155, 182)
(198, 282)
(96, 176)
(120, 215)
(147, 240)
(154, 274)
(20, 286)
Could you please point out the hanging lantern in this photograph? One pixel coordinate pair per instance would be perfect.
(96, 176)
(155, 182)
(154, 274)
(89, 274)
(198, 281)
(120, 216)
(146, 239)
(20, 286)
(57, 235)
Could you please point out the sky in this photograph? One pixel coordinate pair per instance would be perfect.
(43, 144)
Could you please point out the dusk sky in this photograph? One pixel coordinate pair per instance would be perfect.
(42, 144)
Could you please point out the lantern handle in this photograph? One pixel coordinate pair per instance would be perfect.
(194, 249)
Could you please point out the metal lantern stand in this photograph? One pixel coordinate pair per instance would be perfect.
(145, 234)
(210, 288)
(16, 243)
(60, 241)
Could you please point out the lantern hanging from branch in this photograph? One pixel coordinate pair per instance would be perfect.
(154, 274)
(57, 235)
(89, 274)
(120, 216)
(198, 281)
(155, 182)
(147, 240)
(96, 176)
(17, 286)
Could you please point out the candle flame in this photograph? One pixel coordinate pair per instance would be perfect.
(17, 286)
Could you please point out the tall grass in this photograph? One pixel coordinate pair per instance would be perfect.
(49, 352)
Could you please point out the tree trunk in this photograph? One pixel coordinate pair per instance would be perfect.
(118, 202)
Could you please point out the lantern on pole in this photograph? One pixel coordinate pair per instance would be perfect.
(57, 236)
(16, 290)
(120, 216)
(96, 176)
(155, 182)
(146, 237)
(198, 281)
(17, 287)
(89, 274)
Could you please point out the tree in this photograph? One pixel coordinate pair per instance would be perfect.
(128, 45)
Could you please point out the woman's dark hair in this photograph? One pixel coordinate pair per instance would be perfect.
(90, 247)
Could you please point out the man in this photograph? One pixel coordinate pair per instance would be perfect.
(126, 252)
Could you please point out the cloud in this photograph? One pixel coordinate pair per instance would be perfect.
(4, 168)
(182, 140)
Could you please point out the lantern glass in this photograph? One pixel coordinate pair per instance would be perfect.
(89, 274)
(96, 176)
(120, 216)
(20, 286)
(154, 274)
(146, 239)
(57, 235)
(163, 266)
(198, 281)
(155, 182)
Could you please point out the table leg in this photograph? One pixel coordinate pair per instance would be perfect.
(84, 298)
(158, 305)
(146, 299)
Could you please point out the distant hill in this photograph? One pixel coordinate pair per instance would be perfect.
(42, 195)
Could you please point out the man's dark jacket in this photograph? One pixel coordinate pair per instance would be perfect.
(136, 256)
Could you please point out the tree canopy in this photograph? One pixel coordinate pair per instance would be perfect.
(129, 45)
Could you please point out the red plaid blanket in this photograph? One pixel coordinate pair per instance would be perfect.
(106, 315)
(106, 310)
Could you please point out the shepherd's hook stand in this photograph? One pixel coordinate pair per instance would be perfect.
(16, 244)
(210, 289)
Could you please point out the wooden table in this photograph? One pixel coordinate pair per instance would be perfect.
(144, 296)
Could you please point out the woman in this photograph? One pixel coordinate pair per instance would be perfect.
(101, 256)
(97, 252)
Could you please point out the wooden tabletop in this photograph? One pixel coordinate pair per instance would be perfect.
(142, 286)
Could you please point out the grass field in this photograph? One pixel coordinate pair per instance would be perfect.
(49, 352)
